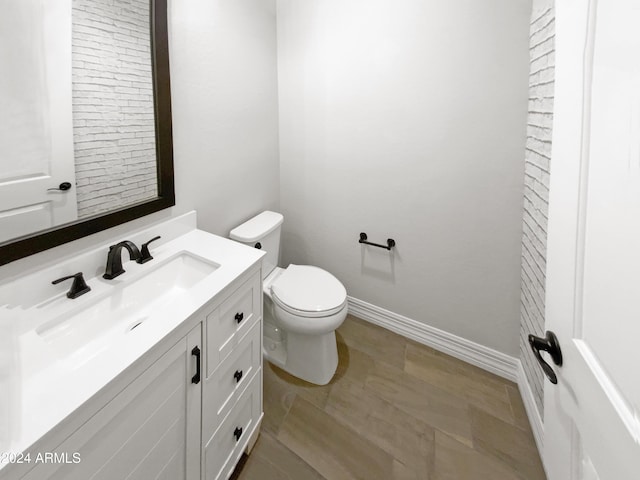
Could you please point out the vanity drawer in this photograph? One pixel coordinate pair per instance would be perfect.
(225, 447)
(224, 386)
(228, 323)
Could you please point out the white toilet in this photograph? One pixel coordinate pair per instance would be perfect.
(303, 306)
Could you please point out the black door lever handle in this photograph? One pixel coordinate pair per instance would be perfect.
(63, 187)
(550, 345)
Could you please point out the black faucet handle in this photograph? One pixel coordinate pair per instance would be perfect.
(78, 287)
(145, 255)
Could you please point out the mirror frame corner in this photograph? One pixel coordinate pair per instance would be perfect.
(41, 241)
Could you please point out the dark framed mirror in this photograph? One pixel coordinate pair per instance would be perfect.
(159, 129)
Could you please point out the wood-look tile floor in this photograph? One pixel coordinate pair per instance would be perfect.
(394, 410)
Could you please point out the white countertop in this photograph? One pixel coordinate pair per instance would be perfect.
(45, 389)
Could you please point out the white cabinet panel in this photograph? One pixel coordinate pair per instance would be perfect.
(232, 390)
(227, 324)
(222, 389)
(223, 450)
(152, 427)
(171, 470)
(169, 448)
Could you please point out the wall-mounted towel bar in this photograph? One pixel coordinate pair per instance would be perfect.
(390, 242)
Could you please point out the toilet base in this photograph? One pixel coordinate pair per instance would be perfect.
(275, 352)
(313, 358)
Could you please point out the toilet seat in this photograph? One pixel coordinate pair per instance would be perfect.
(308, 291)
(304, 313)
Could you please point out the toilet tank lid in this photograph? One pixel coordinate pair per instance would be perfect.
(257, 227)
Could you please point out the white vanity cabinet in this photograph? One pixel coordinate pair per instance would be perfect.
(150, 430)
(191, 414)
(155, 375)
(232, 388)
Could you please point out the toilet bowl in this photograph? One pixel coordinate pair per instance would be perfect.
(303, 306)
(308, 349)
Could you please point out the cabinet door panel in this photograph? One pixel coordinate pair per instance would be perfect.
(146, 428)
(170, 448)
(171, 470)
(161, 432)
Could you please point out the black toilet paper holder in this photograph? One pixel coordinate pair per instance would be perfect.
(390, 242)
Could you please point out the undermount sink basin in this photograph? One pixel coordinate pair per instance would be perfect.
(83, 334)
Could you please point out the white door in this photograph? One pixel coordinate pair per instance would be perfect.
(592, 416)
(36, 133)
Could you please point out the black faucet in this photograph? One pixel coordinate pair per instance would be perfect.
(114, 259)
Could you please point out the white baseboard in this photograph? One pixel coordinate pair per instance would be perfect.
(530, 406)
(486, 358)
(481, 356)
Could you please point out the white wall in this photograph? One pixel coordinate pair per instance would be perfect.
(401, 119)
(407, 120)
(225, 109)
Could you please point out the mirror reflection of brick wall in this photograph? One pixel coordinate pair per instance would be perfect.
(113, 113)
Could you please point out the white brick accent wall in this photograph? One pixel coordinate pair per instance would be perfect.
(113, 113)
(536, 189)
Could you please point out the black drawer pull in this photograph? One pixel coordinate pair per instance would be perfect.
(196, 353)
(239, 317)
(237, 433)
(237, 375)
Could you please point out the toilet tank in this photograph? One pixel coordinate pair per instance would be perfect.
(263, 229)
